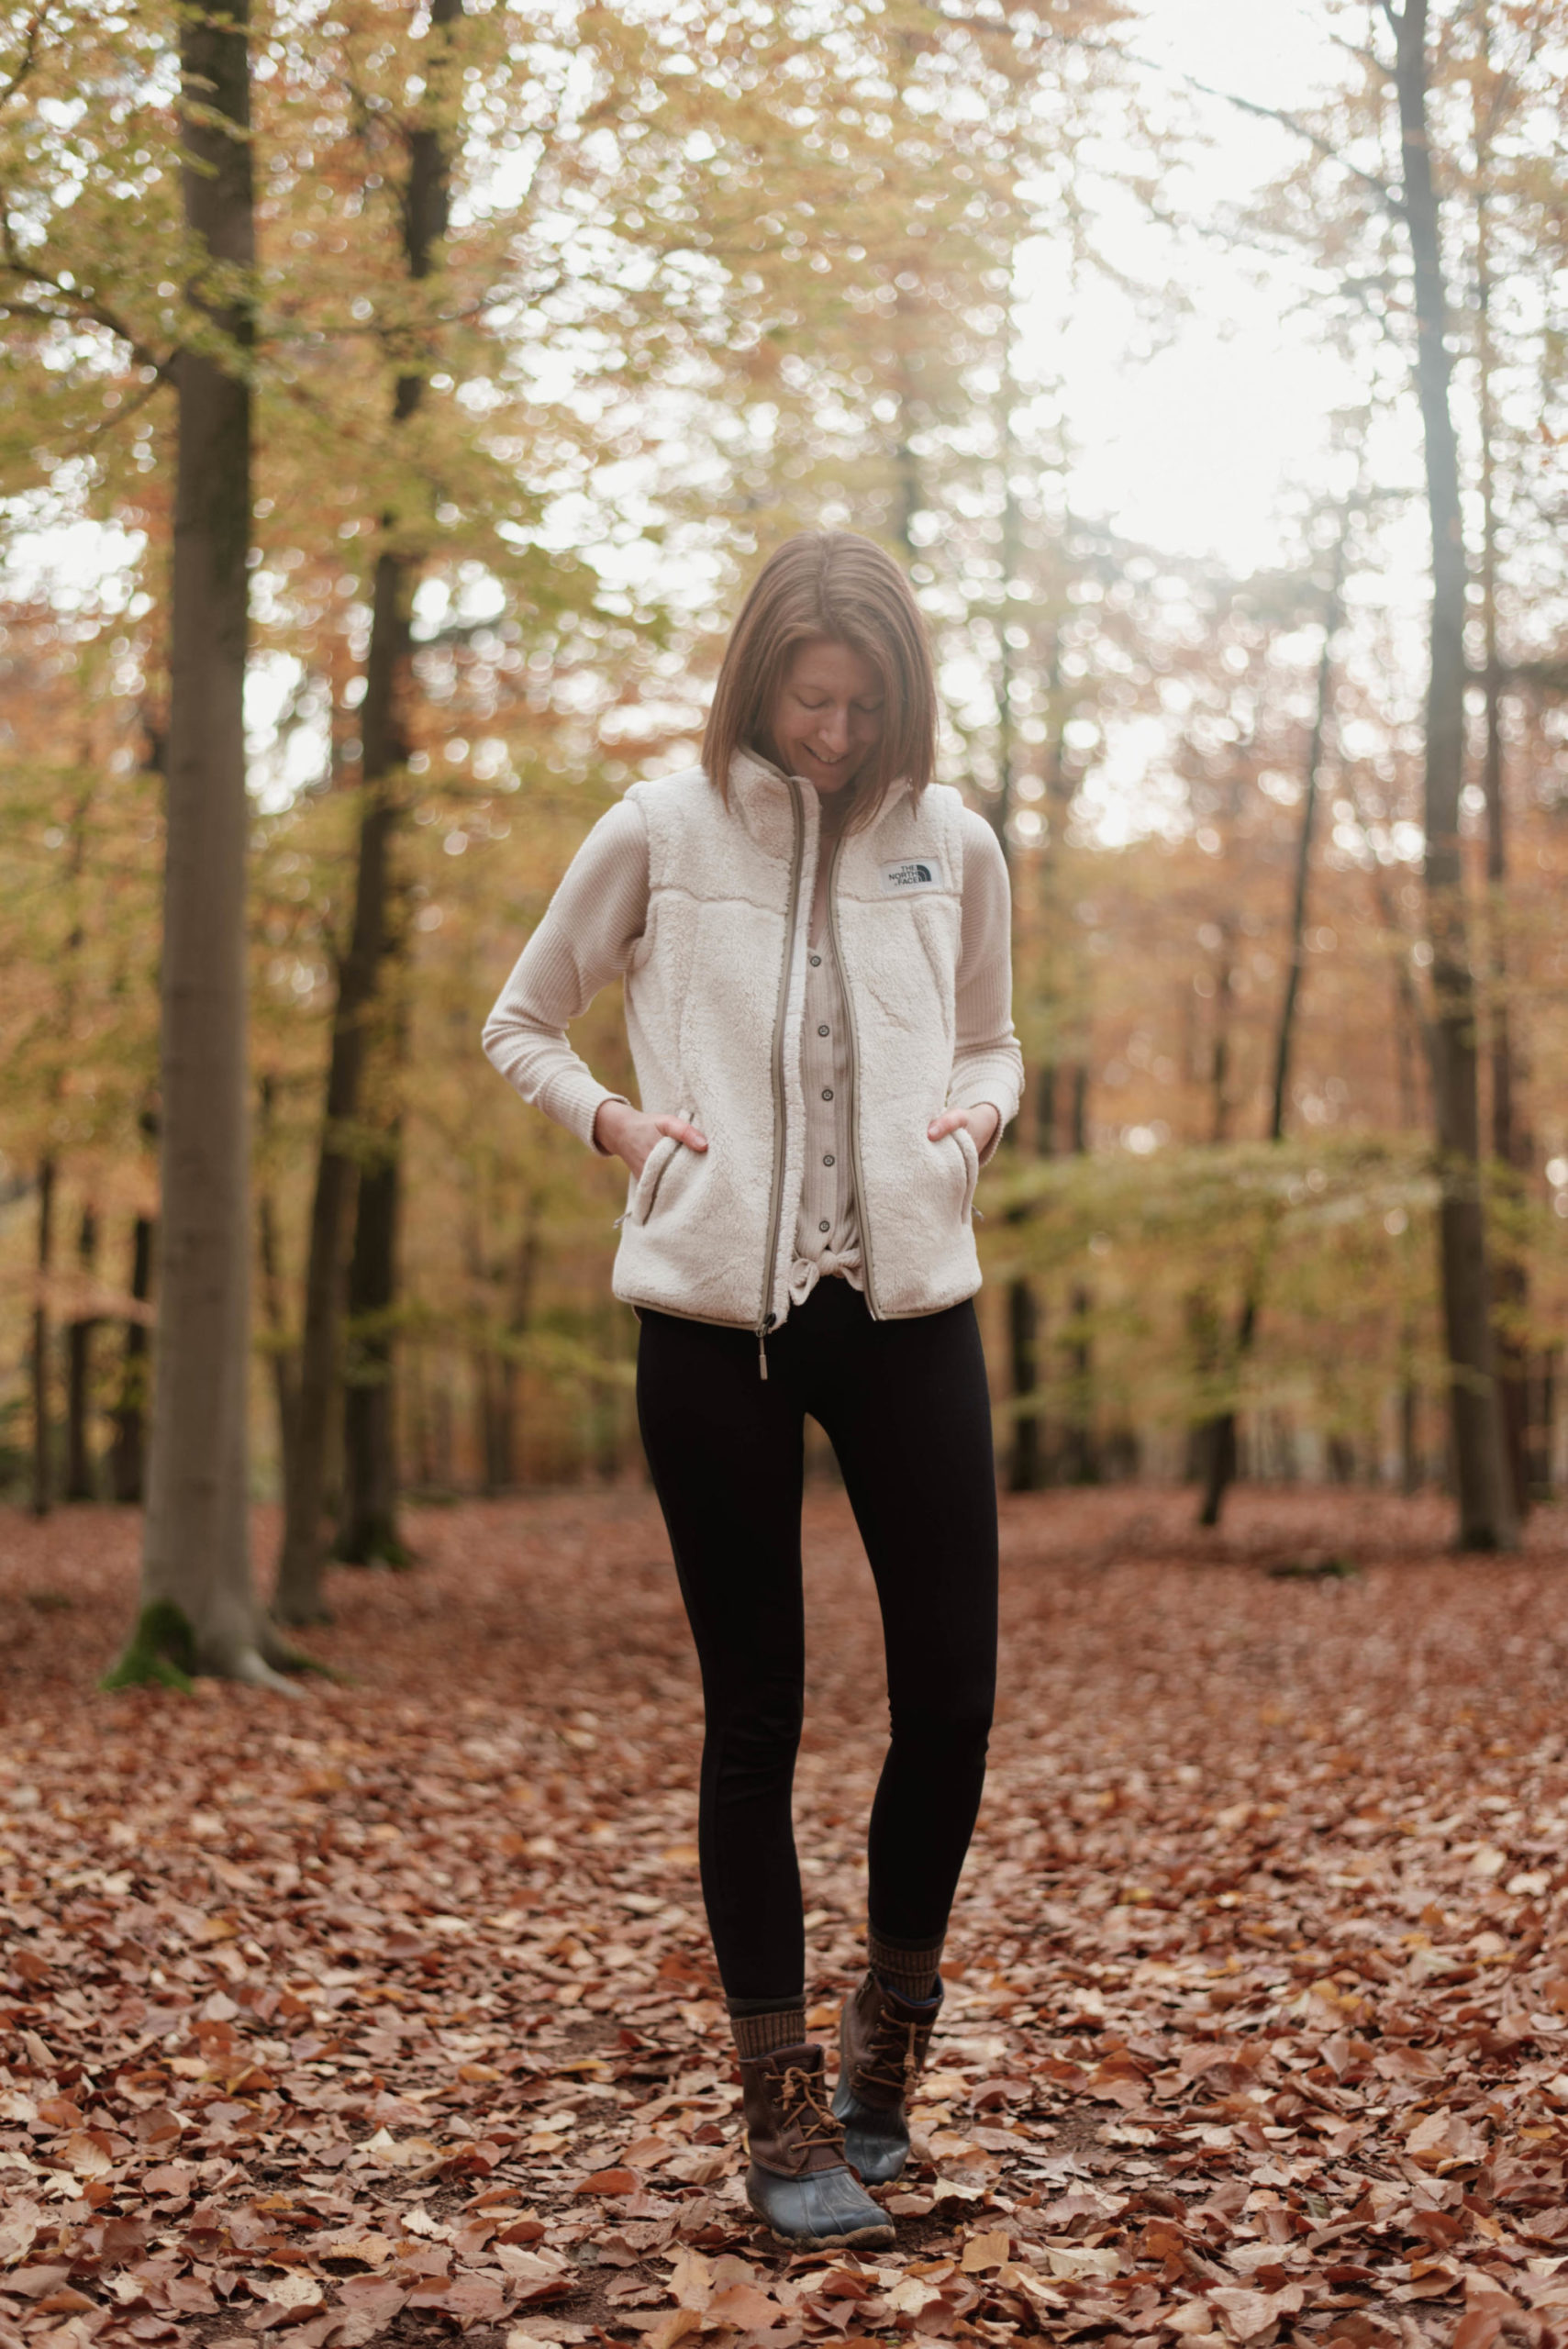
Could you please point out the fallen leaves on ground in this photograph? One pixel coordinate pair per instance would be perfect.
(389, 2015)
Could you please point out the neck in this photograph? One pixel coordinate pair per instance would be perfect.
(834, 808)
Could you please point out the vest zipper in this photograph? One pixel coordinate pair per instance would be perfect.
(775, 1196)
(848, 1001)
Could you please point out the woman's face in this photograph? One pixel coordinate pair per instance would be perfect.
(827, 717)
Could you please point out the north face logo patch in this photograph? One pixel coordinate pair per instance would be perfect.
(915, 873)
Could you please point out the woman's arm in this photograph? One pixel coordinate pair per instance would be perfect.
(589, 928)
(987, 1067)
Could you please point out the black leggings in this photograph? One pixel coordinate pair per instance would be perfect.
(906, 1407)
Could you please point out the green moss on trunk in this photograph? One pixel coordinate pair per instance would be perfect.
(161, 1654)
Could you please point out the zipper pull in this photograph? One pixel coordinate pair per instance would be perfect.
(761, 1353)
(978, 1214)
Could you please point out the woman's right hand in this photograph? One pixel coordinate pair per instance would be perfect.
(630, 1134)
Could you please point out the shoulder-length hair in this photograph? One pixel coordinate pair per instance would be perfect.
(832, 585)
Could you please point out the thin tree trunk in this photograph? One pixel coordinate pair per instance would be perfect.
(369, 1530)
(299, 1597)
(525, 1276)
(79, 1377)
(1486, 1517)
(1026, 1448)
(1219, 1058)
(490, 1384)
(1545, 1420)
(1510, 1140)
(441, 1472)
(1221, 1446)
(43, 1480)
(282, 1351)
(1081, 1458)
(126, 1452)
(1025, 1462)
(1410, 1048)
(419, 1416)
(199, 1606)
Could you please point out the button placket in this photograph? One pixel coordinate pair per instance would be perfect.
(827, 1221)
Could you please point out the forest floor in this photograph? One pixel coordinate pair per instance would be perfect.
(388, 2014)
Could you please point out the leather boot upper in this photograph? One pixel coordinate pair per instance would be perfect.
(885, 2044)
(790, 2126)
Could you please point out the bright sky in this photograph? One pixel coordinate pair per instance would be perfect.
(1193, 447)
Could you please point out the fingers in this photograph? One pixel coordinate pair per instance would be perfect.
(680, 1130)
(949, 1122)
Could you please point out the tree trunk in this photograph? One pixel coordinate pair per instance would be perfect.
(1487, 1520)
(282, 1352)
(43, 1481)
(491, 1393)
(420, 1422)
(1081, 1452)
(369, 1530)
(1026, 1448)
(1511, 1147)
(1220, 1450)
(79, 1377)
(1224, 1001)
(298, 1598)
(127, 1451)
(198, 1609)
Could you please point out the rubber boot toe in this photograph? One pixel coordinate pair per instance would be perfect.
(822, 2210)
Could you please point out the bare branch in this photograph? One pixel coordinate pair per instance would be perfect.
(1367, 56)
(1299, 129)
(28, 60)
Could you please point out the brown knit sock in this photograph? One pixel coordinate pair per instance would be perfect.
(911, 1972)
(758, 2032)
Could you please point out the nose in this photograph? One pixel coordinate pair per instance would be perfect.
(833, 731)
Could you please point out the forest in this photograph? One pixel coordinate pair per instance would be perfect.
(397, 399)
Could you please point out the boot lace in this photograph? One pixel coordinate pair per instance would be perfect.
(803, 2103)
(893, 2059)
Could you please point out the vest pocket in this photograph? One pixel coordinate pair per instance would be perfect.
(655, 1167)
(971, 1157)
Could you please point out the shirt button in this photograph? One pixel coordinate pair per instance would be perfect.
(816, 961)
(823, 1226)
(829, 1160)
(822, 1031)
(826, 1093)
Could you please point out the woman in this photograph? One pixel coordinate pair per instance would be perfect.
(814, 938)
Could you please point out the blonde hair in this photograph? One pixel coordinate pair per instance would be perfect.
(832, 585)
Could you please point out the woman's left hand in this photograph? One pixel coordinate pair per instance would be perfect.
(981, 1121)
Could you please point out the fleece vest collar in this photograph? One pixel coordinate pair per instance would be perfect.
(714, 997)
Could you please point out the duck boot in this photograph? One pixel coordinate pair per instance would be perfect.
(798, 2180)
(882, 2042)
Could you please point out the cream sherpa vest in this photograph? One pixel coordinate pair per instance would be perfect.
(714, 997)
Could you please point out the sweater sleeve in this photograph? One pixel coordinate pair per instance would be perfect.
(987, 1064)
(584, 941)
